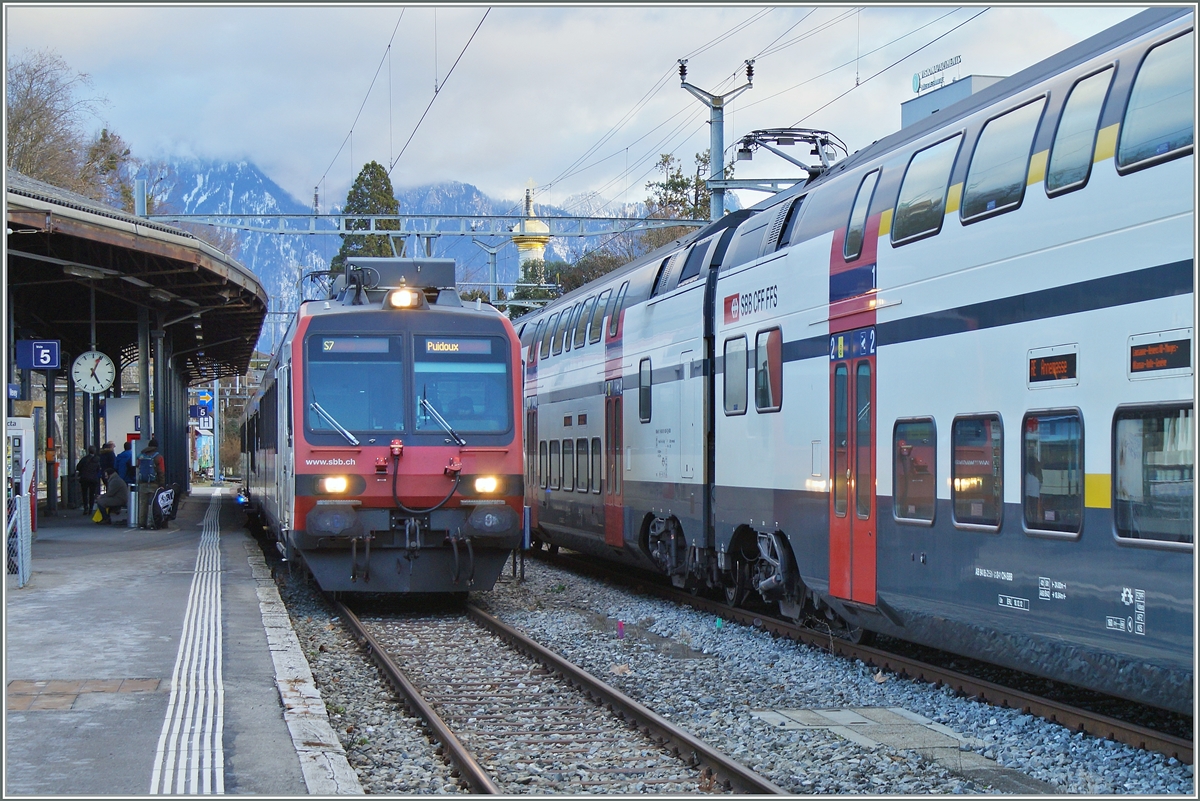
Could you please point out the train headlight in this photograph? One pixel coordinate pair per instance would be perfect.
(486, 484)
(333, 485)
(403, 298)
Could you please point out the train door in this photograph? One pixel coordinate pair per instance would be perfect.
(285, 452)
(614, 496)
(531, 460)
(690, 411)
(852, 512)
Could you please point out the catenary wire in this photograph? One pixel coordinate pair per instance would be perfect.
(386, 52)
(885, 69)
(437, 91)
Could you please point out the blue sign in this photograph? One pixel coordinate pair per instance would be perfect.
(137, 422)
(203, 411)
(35, 354)
(205, 397)
(14, 391)
(852, 344)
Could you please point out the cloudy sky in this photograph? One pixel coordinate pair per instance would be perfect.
(577, 99)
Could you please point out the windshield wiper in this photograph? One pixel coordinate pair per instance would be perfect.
(316, 407)
(442, 421)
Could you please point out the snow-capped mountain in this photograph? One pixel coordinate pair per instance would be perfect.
(282, 260)
(216, 187)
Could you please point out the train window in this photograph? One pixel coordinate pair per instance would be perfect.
(288, 406)
(537, 339)
(1052, 471)
(568, 465)
(645, 381)
(922, 202)
(555, 465)
(695, 260)
(1158, 119)
(977, 471)
(1154, 473)
(1075, 140)
(768, 370)
(357, 381)
(597, 325)
(578, 314)
(614, 317)
(914, 477)
(466, 380)
(564, 322)
(789, 224)
(999, 167)
(618, 443)
(582, 324)
(581, 465)
(569, 326)
(857, 227)
(548, 335)
(543, 472)
(841, 452)
(597, 464)
(864, 486)
(735, 376)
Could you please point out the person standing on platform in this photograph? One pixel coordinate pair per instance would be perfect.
(87, 471)
(116, 496)
(151, 474)
(108, 458)
(123, 464)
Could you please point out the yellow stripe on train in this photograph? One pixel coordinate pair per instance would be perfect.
(1097, 491)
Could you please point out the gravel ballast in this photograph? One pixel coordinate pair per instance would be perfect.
(708, 676)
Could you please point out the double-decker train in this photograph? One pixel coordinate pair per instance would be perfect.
(943, 390)
(383, 447)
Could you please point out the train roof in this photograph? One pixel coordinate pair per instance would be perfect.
(1106, 40)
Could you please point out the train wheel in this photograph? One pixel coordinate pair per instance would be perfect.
(735, 592)
(856, 635)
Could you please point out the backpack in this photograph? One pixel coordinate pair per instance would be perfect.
(162, 506)
(146, 473)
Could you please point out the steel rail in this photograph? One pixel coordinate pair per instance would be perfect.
(1066, 715)
(732, 773)
(469, 769)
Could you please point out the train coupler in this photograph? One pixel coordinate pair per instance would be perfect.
(366, 566)
(412, 538)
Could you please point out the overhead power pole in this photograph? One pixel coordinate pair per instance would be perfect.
(491, 250)
(716, 148)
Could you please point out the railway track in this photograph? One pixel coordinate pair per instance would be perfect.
(516, 718)
(1072, 717)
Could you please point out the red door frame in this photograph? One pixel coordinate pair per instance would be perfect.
(852, 533)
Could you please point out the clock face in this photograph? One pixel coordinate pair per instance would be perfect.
(93, 372)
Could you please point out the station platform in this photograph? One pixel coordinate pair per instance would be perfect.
(160, 662)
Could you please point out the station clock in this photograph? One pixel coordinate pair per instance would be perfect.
(93, 372)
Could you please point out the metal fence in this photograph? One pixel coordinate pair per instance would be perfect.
(19, 536)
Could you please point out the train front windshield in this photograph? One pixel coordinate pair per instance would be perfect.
(466, 380)
(358, 381)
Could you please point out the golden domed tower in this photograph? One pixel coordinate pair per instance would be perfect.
(531, 245)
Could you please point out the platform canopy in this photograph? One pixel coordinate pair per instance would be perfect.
(61, 245)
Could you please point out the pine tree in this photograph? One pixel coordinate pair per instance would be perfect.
(371, 194)
(678, 197)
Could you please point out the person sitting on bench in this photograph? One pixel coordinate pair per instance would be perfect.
(116, 496)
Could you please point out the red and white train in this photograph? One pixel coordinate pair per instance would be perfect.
(942, 391)
(383, 448)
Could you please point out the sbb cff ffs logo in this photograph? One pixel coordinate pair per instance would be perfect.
(742, 304)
